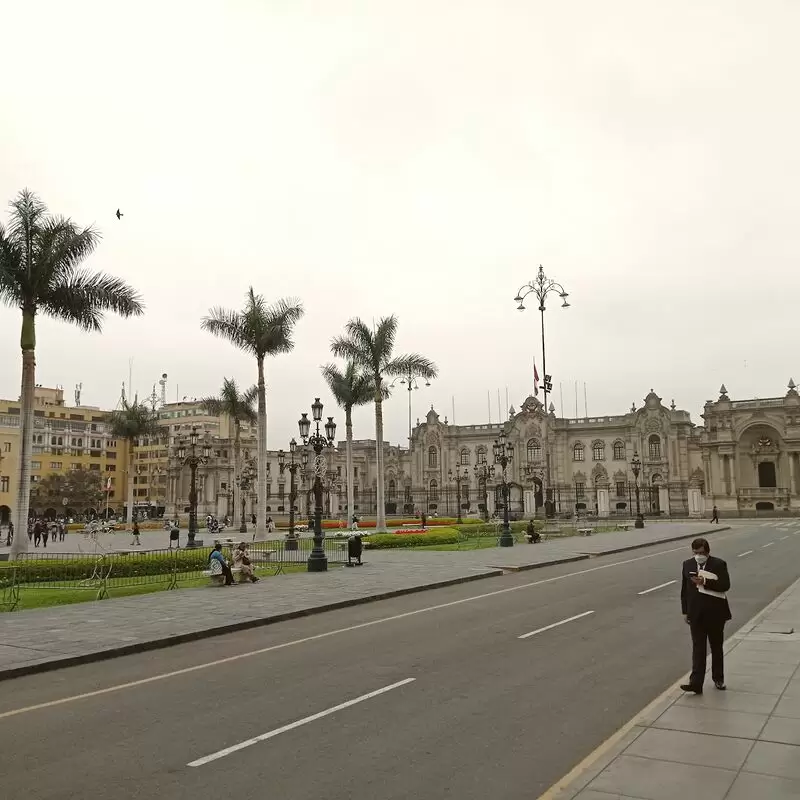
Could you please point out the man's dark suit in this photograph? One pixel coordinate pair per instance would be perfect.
(707, 617)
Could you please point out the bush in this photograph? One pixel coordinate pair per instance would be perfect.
(385, 541)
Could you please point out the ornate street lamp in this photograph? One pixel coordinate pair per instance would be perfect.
(458, 478)
(482, 473)
(193, 461)
(636, 467)
(503, 455)
(541, 286)
(410, 381)
(244, 483)
(292, 466)
(317, 561)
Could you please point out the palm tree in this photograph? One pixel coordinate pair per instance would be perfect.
(239, 407)
(40, 273)
(133, 422)
(261, 330)
(350, 388)
(371, 349)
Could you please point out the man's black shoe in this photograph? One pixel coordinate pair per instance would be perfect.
(720, 685)
(687, 687)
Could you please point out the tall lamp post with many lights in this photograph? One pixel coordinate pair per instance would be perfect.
(411, 382)
(541, 286)
(482, 474)
(317, 561)
(503, 456)
(193, 460)
(458, 478)
(636, 468)
(244, 483)
(292, 466)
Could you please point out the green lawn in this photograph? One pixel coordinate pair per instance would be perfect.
(43, 598)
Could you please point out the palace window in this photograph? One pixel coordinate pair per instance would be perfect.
(620, 488)
(433, 457)
(578, 452)
(619, 451)
(654, 448)
(4, 483)
(534, 450)
(465, 457)
(481, 453)
(580, 489)
(599, 451)
(433, 491)
(392, 491)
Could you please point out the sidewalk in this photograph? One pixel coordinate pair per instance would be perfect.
(740, 744)
(49, 638)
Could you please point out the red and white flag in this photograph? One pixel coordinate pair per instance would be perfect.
(108, 485)
(535, 379)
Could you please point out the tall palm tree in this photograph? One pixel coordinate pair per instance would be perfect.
(262, 330)
(350, 388)
(239, 407)
(41, 273)
(371, 349)
(133, 422)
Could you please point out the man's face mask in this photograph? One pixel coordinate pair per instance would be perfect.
(700, 558)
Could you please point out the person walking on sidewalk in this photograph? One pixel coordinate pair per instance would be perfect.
(715, 515)
(135, 540)
(704, 582)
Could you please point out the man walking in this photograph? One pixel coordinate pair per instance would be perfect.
(704, 581)
(715, 515)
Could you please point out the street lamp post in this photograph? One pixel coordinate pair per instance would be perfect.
(482, 473)
(541, 286)
(317, 561)
(193, 461)
(244, 482)
(504, 455)
(636, 467)
(292, 466)
(410, 382)
(458, 478)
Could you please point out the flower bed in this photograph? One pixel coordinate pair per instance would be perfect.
(412, 538)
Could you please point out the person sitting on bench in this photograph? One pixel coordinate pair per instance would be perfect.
(216, 555)
(531, 534)
(242, 560)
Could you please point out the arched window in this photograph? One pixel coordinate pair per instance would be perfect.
(392, 490)
(654, 448)
(578, 453)
(433, 457)
(465, 457)
(481, 455)
(619, 451)
(599, 451)
(534, 450)
(433, 491)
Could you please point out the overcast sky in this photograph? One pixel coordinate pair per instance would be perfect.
(420, 158)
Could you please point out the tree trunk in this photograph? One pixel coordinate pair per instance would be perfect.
(28, 345)
(237, 446)
(380, 525)
(348, 424)
(261, 511)
(130, 490)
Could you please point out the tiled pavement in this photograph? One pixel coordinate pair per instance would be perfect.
(741, 744)
(46, 638)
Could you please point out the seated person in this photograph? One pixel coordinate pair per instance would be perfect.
(218, 565)
(242, 560)
(532, 534)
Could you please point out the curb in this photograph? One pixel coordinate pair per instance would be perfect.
(583, 773)
(640, 545)
(539, 564)
(221, 630)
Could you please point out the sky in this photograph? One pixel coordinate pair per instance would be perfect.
(420, 159)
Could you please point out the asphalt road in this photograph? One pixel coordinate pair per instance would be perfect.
(469, 709)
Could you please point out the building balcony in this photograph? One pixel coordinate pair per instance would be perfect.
(762, 493)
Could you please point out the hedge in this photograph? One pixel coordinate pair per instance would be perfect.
(386, 541)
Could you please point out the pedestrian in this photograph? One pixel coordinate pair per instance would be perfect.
(424, 519)
(136, 541)
(253, 519)
(37, 533)
(715, 515)
(62, 530)
(270, 525)
(31, 526)
(45, 533)
(704, 582)
(355, 522)
(174, 535)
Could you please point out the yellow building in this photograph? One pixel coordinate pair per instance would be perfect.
(65, 438)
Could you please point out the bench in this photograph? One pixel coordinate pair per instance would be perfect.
(219, 579)
(585, 531)
(622, 526)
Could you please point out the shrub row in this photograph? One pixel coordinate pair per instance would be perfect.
(385, 541)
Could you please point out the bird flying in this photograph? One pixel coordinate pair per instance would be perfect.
(120, 215)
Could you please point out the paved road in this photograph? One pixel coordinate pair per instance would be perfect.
(483, 713)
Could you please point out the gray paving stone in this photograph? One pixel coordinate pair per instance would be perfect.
(731, 701)
(712, 721)
(592, 794)
(788, 707)
(756, 684)
(768, 669)
(782, 729)
(749, 786)
(768, 758)
(691, 748)
(663, 780)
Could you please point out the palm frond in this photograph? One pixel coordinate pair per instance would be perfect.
(413, 364)
(228, 325)
(384, 337)
(346, 348)
(27, 213)
(353, 387)
(239, 406)
(133, 421)
(12, 275)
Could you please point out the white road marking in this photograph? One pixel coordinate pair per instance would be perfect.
(746, 553)
(768, 544)
(554, 625)
(660, 586)
(292, 725)
(337, 631)
(784, 537)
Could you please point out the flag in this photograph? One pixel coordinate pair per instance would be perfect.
(535, 379)
(108, 485)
